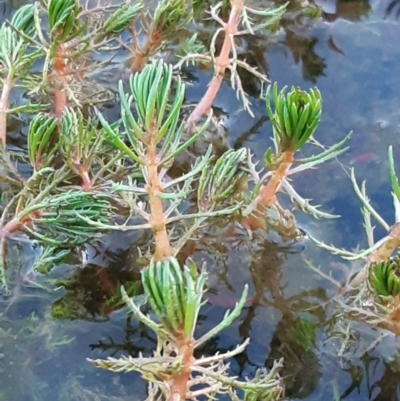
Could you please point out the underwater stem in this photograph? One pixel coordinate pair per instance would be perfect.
(5, 94)
(157, 218)
(83, 172)
(178, 383)
(222, 62)
(11, 226)
(59, 71)
(17, 222)
(141, 57)
(268, 192)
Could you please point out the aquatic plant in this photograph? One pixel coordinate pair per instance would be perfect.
(16, 59)
(156, 138)
(176, 296)
(371, 294)
(74, 33)
(167, 20)
(72, 36)
(383, 278)
(377, 251)
(64, 26)
(294, 120)
(242, 20)
(175, 293)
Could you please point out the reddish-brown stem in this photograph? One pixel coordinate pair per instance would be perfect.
(179, 381)
(82, 171)
(138, 62)
(12, 226)
(5, 94)
(18, 222)
(268, 192)
(222, 62)
(141, 58)
(385, 251)
(157, 219)
(59, 72)
(86, 181)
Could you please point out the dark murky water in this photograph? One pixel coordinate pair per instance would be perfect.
(353, 55)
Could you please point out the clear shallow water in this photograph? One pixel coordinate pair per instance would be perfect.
(352, 55)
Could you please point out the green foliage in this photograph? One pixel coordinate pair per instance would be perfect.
(152, 91)
(117, 22)
(171, 16)
(51, 255)
(218, 182)
(11, 47)
(24, 20)
(174, 295)
(60, 219)
(42, 145)
(384, 278)
(260, 393)
(80, 141)
(133, 290)
(157, 104)
(260, 19)
(192, 45)
(15, 55)
(303, 334)
(295, 117)
(63, 20)
(393, 176)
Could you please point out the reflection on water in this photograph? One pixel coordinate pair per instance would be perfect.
(351, 53)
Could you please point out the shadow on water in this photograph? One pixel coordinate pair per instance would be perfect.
(351, 53)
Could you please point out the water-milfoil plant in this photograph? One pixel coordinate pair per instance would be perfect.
(371, 293)
(16, 59)
(73, 33)
(41, 145)
(64, 26)
(80, 143)
(53, 215)
(155, 135)
(87, 172)
(384, 279)
(242, 20)
(385, 285)
(295, 116)
(294, 120)
(55, 219)
(168, 18)
(383, 249)
(149, 136)
(176, 295)
(81, 146)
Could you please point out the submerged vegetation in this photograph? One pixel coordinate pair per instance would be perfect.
(145, 176)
